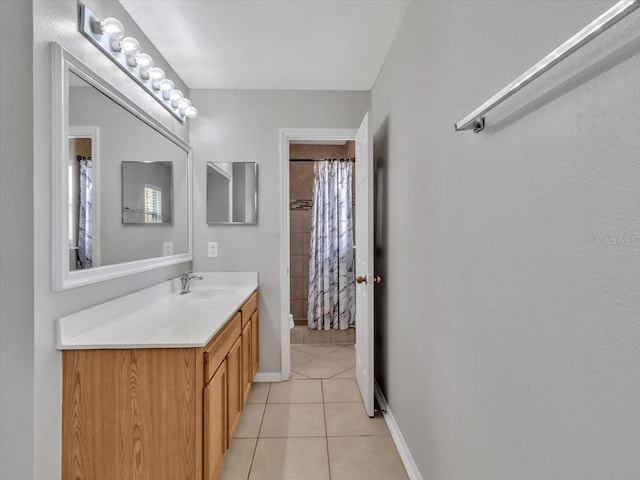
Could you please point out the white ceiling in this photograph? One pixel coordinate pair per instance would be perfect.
(272, 44)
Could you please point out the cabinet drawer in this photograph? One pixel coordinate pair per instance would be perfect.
(217, 350)
(249, 307)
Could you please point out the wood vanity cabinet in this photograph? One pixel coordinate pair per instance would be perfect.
(157, 413)
(250, 353)
(255, 344)
(246, 362)
(234, 387)
(215, 422)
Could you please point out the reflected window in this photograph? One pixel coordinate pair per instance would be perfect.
(152, 204)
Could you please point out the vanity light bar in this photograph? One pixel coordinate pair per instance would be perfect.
(108, 36)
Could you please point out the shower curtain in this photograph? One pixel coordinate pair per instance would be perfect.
(85, 214)
(331, 262)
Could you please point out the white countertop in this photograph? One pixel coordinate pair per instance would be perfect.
(159, 317)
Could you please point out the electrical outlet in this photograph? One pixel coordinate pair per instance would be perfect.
(212, 249)
(167, 248)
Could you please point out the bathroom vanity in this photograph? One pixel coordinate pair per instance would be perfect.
(154, 383)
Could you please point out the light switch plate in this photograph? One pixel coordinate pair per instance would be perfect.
(212, 249)
(167, 249)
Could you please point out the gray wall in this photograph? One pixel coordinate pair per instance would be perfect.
(56, 20)
(244, 125)
(512, 340)
(16, 242)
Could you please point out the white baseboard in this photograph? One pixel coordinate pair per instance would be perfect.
(268, 377)
(405, 454)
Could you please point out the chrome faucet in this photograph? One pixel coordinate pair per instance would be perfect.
(186, 279)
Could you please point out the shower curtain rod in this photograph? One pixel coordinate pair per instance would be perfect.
(475, 120)
(321, 159)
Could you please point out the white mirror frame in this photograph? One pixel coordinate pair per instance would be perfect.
(63, 63)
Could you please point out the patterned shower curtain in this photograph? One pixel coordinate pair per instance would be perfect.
(331, 262)
(85, 214)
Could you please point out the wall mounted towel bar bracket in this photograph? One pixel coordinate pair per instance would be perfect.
(475, 120)
(478, 125)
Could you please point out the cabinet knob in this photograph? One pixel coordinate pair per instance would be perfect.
(361, 279)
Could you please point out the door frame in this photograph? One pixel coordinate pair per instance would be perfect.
(286, 136)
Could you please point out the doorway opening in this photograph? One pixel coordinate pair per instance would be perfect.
(302, 151)
(321, 213)
(362, 351)
(322, 260)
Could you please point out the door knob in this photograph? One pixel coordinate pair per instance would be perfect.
(377, 279)
(361, 279)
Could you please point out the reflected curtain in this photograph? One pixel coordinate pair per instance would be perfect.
(331, 262)
(85, 214)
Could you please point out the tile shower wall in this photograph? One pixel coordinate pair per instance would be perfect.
(301, 195)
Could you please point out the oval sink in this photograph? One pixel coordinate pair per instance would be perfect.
(212, 293)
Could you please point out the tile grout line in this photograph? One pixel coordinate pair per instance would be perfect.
(258, 438)
(341, 347)
(340, 373)
(326, 433)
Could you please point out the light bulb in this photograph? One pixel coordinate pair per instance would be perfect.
(174, 96)
(156, 75)
(130, 46)
(144, 61)
(184, 103)
(110, 27)
(166, 86)
(191, 111)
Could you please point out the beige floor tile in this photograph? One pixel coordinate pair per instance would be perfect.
(339, 390)
(343, 336)
(317, 336)
(296, 336)
(290, 459)
(365, 458)
(344, 355)
(297, 376)
(293, 420)
(316, 350)
(237, 463)
(349, 373)
(296, 391)
(298, 358)
(322, 367)
(344, 419)
(250, 421)
(259, 392)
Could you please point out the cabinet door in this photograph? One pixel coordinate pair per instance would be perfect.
(255, 344)
(215, 423)
(234, 388)
(246, 362)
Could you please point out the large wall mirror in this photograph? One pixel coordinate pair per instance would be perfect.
(122, 182)
(232, 193)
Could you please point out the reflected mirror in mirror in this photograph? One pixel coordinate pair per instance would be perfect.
(232, 193)
(121, 172)
(147, 191)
